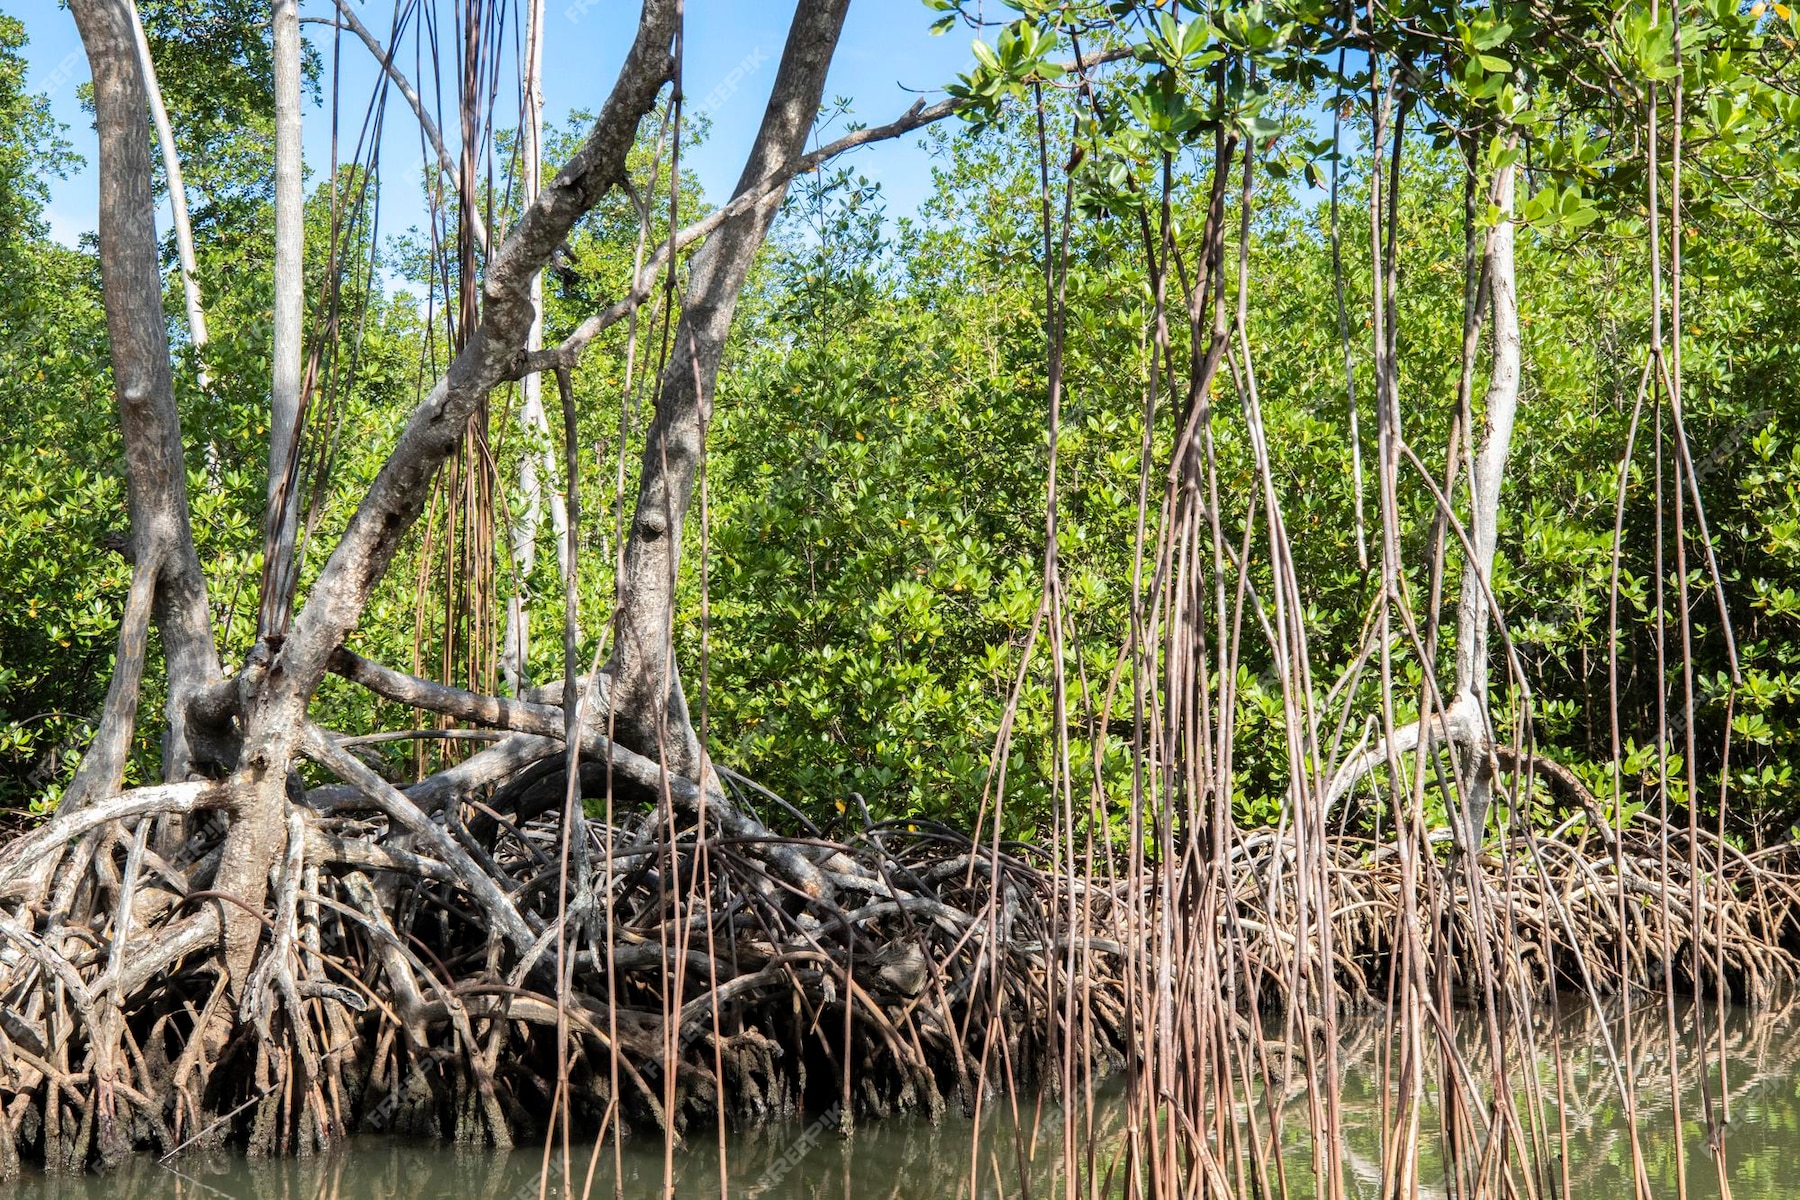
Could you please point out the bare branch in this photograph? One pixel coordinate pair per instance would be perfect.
(490, 357)
(178, 203)
(755, 196)
(479, 884)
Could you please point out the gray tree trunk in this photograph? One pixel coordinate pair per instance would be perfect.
(288, 314)
(650, 711)
(162, 540)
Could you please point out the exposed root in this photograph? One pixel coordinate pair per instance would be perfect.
(406, 979)
(407, 973)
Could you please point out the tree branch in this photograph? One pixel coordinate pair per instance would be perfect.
(490, 357)
(507, 922)
(649, 712)
(178, 205)
(568, 352)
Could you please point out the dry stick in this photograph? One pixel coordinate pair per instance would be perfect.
(1157, 252)
(1400, 1140)
(1185, 740)
(1662, 726)
(1055, 272)
(1640, 1167)
(702, 835)
(1684, 470)
(1300, 722)
(1343, 319)
(662, 697)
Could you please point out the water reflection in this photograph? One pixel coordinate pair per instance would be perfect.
(899, 1159)
(913, 1159)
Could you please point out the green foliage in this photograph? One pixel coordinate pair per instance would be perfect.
(871, 558)
(60, 585)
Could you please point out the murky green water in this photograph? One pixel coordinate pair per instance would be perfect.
(912, 1159)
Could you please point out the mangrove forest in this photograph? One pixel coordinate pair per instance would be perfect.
(1229, 629)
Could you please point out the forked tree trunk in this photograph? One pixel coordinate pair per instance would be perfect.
(1466, 723)
(276, 686)
(225, 919)
(162, 543)
(649, 708)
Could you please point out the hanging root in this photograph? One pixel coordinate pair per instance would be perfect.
(1597, 912)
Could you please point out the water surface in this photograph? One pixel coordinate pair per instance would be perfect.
(910, 1158)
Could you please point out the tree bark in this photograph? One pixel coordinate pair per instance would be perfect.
(1465, 724)
(1488, 470)
(288, 314)
(156, 478)
(1500, 408)
(280, 678)
(651, 714)
(491, 356)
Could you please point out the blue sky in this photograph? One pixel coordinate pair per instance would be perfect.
(885, 59)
